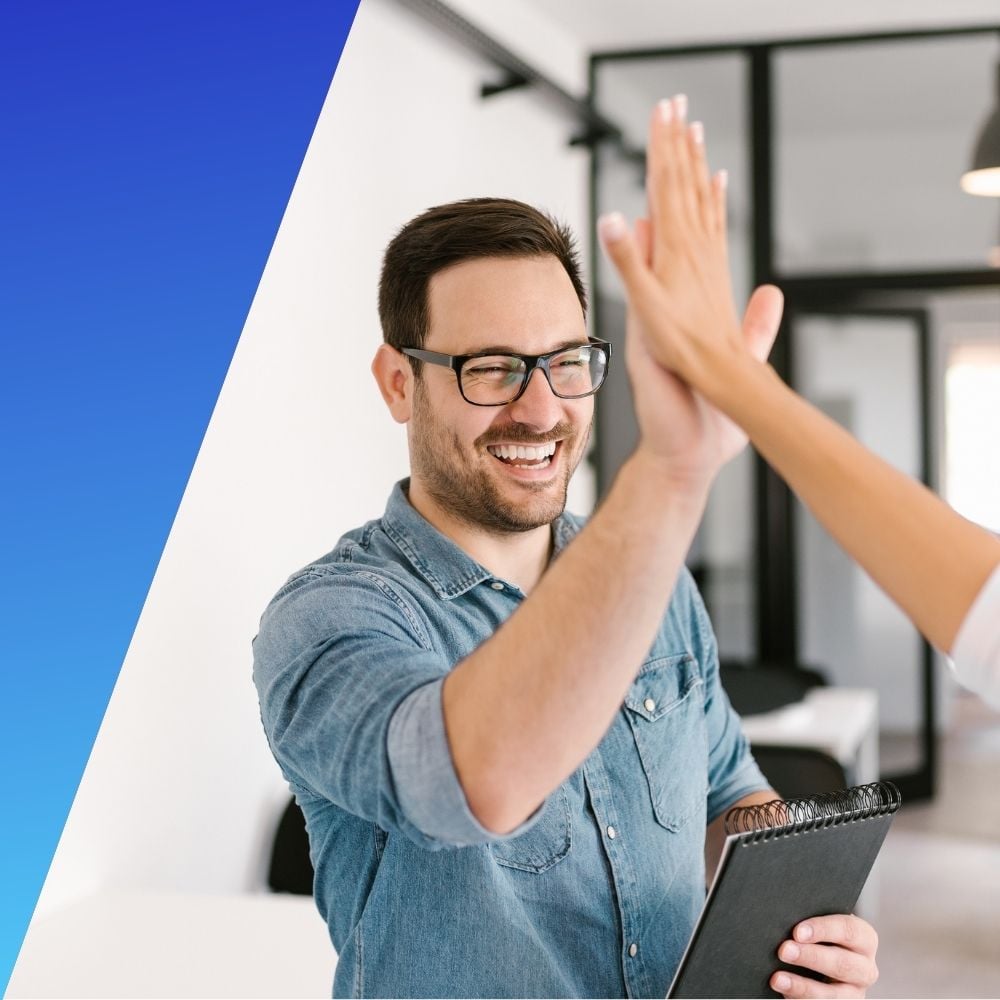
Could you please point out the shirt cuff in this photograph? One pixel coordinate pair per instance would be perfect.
(975, 655)
(427, 787)
(747, 780)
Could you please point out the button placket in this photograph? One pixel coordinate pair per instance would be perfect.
(623, 876)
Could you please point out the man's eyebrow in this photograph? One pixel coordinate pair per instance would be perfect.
(507, 349)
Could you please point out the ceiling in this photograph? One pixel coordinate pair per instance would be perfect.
(938, 84)
(613, 24)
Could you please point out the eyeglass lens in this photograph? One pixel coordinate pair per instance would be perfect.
(497, 379)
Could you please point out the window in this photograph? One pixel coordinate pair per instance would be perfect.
(972, 431)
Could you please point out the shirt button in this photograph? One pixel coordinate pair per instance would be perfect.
(649, 704)
(612, 833)
(633, 950)
(496, 585)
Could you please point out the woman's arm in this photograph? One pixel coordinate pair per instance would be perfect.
(930, 560)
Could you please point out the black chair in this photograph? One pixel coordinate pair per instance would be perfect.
(795, 772)
(754, 688)
(291, 869)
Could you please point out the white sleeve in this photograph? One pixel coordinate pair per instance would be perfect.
(976, 653)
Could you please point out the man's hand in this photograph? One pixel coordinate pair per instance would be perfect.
(676, 425)
(840, 947)
(675, 270)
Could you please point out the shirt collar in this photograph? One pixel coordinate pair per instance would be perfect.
(448, 569)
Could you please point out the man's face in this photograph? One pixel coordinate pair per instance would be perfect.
(508, 305)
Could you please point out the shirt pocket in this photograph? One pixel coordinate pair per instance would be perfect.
(545, 844)
(665, 709)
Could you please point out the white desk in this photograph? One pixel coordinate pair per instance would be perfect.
(842, 722)
(174, 944)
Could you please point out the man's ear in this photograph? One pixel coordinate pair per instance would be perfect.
(394, 376)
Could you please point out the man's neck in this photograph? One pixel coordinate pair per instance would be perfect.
(519, 557)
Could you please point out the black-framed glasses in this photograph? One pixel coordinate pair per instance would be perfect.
(491, 379)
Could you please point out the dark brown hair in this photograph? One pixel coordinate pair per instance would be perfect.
(456, 232)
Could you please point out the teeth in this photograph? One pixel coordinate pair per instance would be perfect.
(528, 453)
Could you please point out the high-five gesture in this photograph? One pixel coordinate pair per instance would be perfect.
(681, 292)
(931, 561)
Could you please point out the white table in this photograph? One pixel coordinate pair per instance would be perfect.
(176, 944)
(840, 721)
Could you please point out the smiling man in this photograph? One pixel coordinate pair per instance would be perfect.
(504, 725)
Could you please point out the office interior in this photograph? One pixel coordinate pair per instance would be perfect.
(846, 133)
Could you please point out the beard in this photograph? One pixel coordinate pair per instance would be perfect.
(457, 483)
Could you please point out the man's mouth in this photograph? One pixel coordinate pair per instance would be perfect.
(524, 456)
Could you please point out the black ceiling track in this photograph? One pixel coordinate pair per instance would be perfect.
(592, 128)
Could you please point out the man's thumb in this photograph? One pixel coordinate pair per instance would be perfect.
(622, 249)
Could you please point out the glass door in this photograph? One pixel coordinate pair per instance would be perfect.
(869, 372)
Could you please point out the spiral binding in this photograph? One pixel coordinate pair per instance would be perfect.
(785, 817)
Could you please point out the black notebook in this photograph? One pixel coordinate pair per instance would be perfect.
(783, 862)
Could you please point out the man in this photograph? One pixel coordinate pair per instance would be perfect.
(508, 738)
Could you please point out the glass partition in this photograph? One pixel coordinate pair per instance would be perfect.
(867, 372)
(870, 141)
(854, 148)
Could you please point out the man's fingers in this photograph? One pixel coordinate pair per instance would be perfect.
(790, 985)
(841, 928)
(644, 237)
(841, 947)
(839, 964)
(762, 320)
(624, 252)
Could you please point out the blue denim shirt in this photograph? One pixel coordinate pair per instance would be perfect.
(596, 894)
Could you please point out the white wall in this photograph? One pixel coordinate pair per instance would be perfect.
(180, 789)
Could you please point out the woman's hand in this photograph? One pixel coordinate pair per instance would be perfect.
(678, 285)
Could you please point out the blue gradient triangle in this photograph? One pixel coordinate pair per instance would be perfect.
(149, 151)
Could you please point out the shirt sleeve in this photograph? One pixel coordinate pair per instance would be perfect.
(732, 771)
(350, 698)
(976, 653)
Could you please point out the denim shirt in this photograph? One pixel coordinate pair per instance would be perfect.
(595, 894)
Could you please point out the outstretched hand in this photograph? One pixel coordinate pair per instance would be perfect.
(677, 426)
(676, 269)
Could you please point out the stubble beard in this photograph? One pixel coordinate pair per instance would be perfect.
(465, 492)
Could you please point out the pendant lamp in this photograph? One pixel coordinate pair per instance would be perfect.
(984, 177)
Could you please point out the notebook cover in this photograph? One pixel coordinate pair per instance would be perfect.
(769, 880)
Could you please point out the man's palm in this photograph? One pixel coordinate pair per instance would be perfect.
(694, 437)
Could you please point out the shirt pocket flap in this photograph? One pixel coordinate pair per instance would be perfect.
(662, 685)
(665, 711)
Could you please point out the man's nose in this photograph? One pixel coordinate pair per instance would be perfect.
(538, 405)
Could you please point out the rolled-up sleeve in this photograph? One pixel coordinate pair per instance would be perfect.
(430, 794)
(350, 699)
